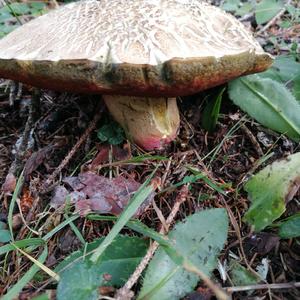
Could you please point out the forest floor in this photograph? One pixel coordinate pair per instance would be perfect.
(237, 148)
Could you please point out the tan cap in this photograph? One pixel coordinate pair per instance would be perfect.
(131, 47)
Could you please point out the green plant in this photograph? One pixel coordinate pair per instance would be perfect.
(263, 10)
(271, 189)
(10, 14)
(112, 133)
(81, 279)
(198, 240)
(211, 112)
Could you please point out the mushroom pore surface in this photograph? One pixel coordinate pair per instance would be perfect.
(139, 48)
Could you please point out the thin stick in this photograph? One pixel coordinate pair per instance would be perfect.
(253, 140)
(66, 160)
(124, 292)
(219, 293)
(274, 286)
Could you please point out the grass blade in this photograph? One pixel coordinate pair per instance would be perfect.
(21, 244)
(13, 202)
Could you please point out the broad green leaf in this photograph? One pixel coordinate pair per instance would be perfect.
(4, 15)
(231, 5)
(245, 8)
(269, 102)
(290, 227)
(270, 189)
(296, 88)
(286, 67)
(285, 70)
(285, 24)
(4, 236)
(38, 5)
(211, 112)
(80, 282)
(119, 260)
(267, 9)
(199, 238)
(2, 225)
(17, 8)
(239, 275)
(41, 297)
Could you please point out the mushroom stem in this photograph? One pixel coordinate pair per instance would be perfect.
(149, 122)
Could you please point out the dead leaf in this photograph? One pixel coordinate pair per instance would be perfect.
(262, 243)
(92, 192)
(118, 154)
(26, 201)
(59, 196)
(101, 157)
(9, 184)
(35, 160)
(122, 153)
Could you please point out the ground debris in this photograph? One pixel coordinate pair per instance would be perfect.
(94, 193)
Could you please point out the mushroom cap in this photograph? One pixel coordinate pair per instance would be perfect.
(131, 47)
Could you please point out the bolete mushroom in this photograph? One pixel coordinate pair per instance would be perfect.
(140, 54)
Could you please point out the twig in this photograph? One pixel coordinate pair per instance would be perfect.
(219, 293)
(271, 286)
(253, 140)
(92, 126)
(273, 20)
(125, 290)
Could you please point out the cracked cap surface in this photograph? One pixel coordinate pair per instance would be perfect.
(131, 47)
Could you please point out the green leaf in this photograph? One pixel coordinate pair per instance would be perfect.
(285, 24)
(80, 282)
(111, 133)
(269, 102)
(211, 112)
(296, 88)
(231, 5)
(199, 239)
(285, 70)
(19, 8)
(245, 8)
(2, 225)
(4, 236)
(4, 15)
(240, 275)
(270, 189)
(290, 227)
(38, 5)
(267, 9)
(119, 260)
(41, 297)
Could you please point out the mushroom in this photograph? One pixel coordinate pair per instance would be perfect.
(139, 54)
